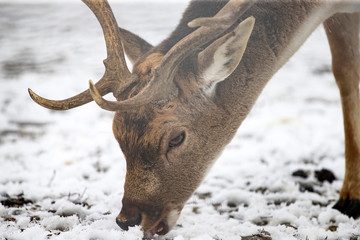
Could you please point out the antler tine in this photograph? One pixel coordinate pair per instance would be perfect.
(116, 71)
(225, 16)
(115, 61)
(69, 103)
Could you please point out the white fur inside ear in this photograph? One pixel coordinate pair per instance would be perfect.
(217, 70)
(221, 58)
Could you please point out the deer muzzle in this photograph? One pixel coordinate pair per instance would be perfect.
(124, 224)
(154, 221)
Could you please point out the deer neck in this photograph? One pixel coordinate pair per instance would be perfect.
(280, 29)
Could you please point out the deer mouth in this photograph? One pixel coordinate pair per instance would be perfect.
(161, 228)
(166, 223)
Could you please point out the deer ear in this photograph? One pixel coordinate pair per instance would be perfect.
(134, 45)
(220, 59)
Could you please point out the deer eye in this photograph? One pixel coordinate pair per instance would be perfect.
(177, 141)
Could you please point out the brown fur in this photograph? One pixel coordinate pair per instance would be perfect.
(142, 74)
(343, 34)
(159, 180)
(153, 173)
(146, 67)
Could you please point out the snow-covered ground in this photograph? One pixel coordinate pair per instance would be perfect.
(62, 173)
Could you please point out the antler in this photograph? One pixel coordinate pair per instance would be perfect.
(225, 16)
(116, 71)
(162, 85)
(209, 29)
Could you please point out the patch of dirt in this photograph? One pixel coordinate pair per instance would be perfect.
(16, 201)
(19, 130)
(79, 199)
(203, 195)
(18, 133)
(310, 186)
(25, 61)
(325, 175)
(301, 173)
(355, 237)
(321, 70)
(289, 225)
(9, 219)
(261, 221)
(196, 210)
(100, 168)
(23, 124)
(306, 187)
(263, 235)
(279, 202)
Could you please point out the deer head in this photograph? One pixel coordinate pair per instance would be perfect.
(167, 119)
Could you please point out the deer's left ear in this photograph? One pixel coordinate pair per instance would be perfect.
(221, 58)
(134, 45)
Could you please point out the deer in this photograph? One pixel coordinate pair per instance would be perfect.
(185, 98)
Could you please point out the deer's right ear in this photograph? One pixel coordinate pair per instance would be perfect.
(134, 45)
(220, 59)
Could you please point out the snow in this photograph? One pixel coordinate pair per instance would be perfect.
(70, 170)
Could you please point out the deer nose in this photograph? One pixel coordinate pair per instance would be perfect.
(124, 224)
